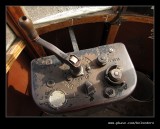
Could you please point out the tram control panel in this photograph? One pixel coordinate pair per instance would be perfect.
(72, 81)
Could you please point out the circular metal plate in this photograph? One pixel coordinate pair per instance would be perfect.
(57, 99)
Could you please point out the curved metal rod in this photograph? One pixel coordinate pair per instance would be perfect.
(70, 59)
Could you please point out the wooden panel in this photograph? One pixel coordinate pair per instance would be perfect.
(19, 73)
(138, 18)
(127, 18)
(75, 21)
(99, 17)
(14, 52)
(19, 100)
(112, 34)
(14, 13)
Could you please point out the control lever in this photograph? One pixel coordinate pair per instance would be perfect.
(70, 59)
(102, 75)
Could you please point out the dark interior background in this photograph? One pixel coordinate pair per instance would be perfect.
(134, 35)
(87, 36)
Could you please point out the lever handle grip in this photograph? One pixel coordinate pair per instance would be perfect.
(27, 25)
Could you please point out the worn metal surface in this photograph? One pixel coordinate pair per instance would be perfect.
(74, 87)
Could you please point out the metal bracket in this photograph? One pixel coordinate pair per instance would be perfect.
(73, 39)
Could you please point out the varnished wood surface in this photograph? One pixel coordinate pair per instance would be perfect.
(75, 21)
(100, 17)
(112, 33)
(18, 94)
(138, 18)
(14, 52)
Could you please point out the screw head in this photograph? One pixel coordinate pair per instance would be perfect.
(51, 83)
(109, 92)
(48, 61)
(115, 74)
(110, 49)
(102, 59)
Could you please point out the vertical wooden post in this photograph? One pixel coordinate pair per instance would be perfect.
(112, 33)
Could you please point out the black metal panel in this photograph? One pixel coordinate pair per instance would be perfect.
(49, 74)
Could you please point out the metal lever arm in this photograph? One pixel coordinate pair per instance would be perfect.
(72, 60)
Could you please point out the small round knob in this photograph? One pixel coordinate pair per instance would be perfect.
(102, 59)
(115, 75)
(50, 83)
